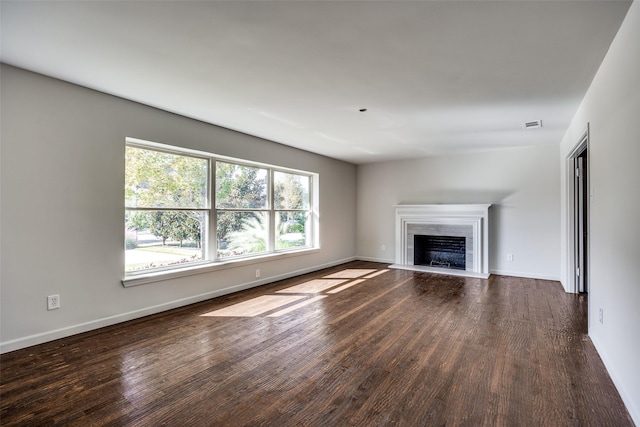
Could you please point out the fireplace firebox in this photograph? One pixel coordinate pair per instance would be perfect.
(440, 251)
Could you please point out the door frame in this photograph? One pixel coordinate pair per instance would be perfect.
(572, 238)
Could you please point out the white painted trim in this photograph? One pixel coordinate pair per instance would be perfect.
(524, 275)
(208, 267)
(627, 398)
(372, 259)
(43, 337)
(569, 283)
(446, 272)
(453, 272)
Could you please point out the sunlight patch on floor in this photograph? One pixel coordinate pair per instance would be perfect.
(350, 273)
(277, 305)
(312, 286)
(255, 306)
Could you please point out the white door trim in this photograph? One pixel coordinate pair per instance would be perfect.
(570, 182)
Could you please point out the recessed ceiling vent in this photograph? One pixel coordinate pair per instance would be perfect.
(533, 124)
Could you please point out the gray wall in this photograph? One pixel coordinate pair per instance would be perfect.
(522, 184)
(62, 212)
(612, 109)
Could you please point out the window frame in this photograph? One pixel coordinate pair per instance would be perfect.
(211, 260)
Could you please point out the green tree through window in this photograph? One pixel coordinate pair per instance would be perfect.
(241, 201)
(291, 199)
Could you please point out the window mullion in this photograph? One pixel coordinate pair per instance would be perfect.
(271, 239)
(212, 230)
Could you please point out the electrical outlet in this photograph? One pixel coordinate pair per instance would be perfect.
(383, 248)
(53, 302)
(509, 257)
(257, 273)
(601, 316)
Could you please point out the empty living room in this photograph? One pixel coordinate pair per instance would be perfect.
(412, 213)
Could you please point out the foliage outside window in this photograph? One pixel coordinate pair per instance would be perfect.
(170, 222)
(242, 209)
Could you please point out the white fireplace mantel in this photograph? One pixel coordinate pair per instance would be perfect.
(468, 220)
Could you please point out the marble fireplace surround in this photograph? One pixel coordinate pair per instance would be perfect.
(469, 221)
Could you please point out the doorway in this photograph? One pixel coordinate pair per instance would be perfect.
(579, 206)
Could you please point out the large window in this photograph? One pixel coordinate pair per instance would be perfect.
(183, 208)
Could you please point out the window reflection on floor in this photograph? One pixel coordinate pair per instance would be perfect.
(290, 299)
(312, 286)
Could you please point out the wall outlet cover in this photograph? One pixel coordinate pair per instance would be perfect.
(53, 302)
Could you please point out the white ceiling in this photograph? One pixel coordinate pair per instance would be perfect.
(434, 76)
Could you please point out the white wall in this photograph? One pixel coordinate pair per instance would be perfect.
(62, 209)
(521, 183)
(612, 109)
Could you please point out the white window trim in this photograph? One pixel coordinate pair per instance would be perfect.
(144, 277)
(209, 266)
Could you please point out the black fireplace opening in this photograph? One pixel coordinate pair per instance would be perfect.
(440, 251)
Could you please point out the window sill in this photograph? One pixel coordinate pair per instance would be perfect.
(158, 276)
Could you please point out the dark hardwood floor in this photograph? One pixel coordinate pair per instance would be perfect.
(360, 347)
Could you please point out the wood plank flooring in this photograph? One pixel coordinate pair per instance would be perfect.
(380, 348)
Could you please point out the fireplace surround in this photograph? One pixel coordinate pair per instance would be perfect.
(470, 221)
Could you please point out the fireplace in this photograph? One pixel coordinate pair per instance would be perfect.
(439, 251)
(463, 229)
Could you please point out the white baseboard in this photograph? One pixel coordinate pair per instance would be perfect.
(627, 399)
(498, 272)
(525, 275)
(28, 341)
(385, 261)
(443, 271)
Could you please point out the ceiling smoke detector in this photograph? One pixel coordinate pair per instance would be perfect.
(533, 124)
